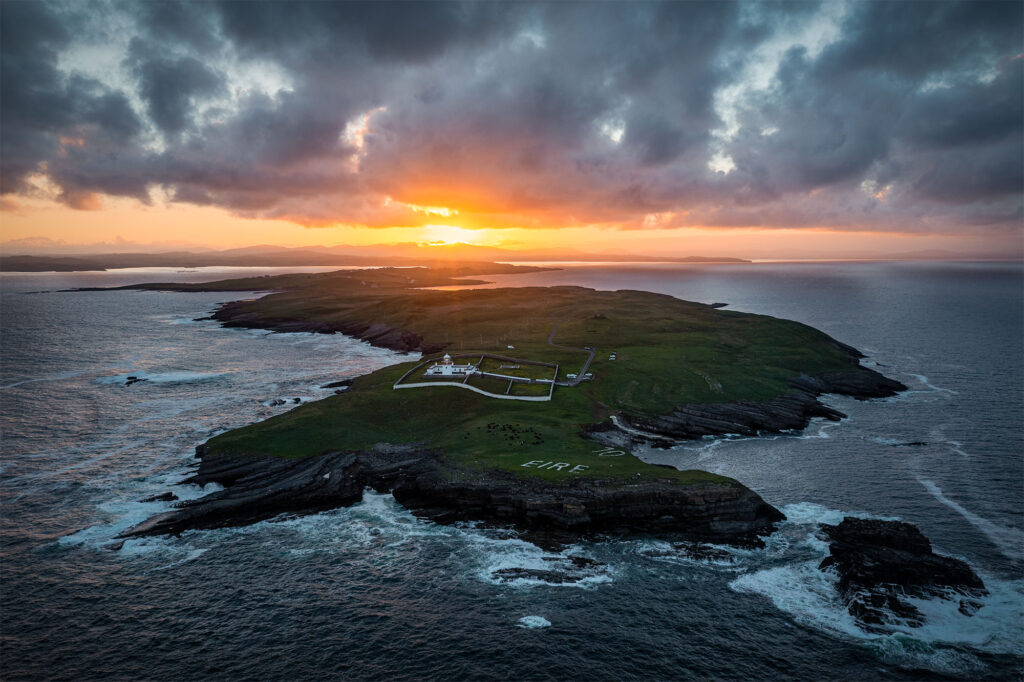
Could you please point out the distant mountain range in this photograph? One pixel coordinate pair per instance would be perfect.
(277, 256)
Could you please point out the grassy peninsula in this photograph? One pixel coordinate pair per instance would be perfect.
(667, 353)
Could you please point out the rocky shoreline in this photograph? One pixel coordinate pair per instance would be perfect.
(235, 314)
(258, 489)
(792, 410)
(421, 479)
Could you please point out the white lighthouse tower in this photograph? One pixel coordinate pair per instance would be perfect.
(448, 368)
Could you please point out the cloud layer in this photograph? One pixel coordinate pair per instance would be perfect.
(881, 116)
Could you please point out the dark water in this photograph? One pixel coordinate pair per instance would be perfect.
(371, 592)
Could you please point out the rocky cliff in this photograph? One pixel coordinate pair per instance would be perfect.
(257, 489)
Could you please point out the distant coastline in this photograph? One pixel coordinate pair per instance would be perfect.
(392, 255)
(409, 255)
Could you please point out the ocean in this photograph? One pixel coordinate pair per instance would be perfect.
(372, 592)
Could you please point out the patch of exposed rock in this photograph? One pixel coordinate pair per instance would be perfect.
(880, 563)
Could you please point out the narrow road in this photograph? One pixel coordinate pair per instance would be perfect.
(586, 365)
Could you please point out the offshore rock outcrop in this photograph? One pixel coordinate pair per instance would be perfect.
(880, 563)
(258, 489)
(791, 410)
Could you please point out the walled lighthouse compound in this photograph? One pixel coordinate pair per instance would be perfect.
(447, 368)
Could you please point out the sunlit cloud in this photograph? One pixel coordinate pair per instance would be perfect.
(636, 117)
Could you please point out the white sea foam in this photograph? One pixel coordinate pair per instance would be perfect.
(724, 557)
(508, 554)
(533, 622)
(191, 556)
(380, 521)
(1009, 541)
(180, 377)
(822, 432)
(803, 513)
(126, 510)
(810, 597)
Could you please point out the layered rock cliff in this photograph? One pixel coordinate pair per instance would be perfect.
(257, 489)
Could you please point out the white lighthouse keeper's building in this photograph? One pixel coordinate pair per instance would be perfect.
(448, 368)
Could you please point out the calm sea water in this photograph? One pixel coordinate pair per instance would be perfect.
(371, 592)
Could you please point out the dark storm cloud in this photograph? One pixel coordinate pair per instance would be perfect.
(39, 104)
(904, 82)
(908, 117)
(970, 113)
(911, 40)
(186, 24)
(171, 85)
(317, 34)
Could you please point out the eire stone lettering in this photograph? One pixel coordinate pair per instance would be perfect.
(557, 466)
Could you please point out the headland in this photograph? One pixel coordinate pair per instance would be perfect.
(644, 367)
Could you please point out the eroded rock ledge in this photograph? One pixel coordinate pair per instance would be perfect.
(258, 489)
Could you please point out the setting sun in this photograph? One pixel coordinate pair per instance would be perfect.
(450, 234)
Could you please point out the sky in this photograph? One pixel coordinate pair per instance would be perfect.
(750, 128)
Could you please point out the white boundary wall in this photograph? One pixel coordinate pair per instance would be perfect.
(531, 398)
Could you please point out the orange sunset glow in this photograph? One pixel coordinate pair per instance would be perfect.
(544, 136)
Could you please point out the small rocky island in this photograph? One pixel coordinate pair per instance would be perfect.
(541, 437)
(881, 563)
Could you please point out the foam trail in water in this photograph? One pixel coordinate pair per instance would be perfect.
(958, 448)
(55, 377)
(927, 384)
(1009, 541)
(938, 433)
(164, 377)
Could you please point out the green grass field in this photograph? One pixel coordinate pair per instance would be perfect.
(470, 430)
